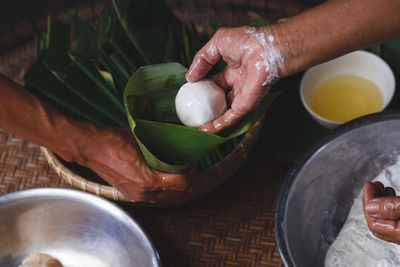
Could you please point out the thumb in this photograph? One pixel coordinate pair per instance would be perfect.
(383, 208)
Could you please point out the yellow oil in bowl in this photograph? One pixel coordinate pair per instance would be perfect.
(346, 97)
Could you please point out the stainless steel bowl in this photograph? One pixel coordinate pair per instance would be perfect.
(319, 190)
(77, 228)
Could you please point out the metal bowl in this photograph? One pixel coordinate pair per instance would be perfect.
(77, 228)
(319, 190)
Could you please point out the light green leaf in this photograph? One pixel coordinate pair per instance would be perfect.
(149, 99)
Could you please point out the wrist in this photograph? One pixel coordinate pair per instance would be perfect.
(290, 44)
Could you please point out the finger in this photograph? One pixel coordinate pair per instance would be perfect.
(229, 118)
(227, 78)
(173, 186)
(389, 191)
(380, 188)
(172, 182)
(203, 61)
(385, 229)
(248, 97)
(219, 79)
(369, 192)
(171, 193)
(385, 238)
(229, 97)
(384, 208)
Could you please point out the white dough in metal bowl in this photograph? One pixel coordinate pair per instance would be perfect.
(40, 260)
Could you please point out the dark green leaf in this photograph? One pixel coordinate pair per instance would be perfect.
(57, 43)
(171, 52)
(80, 76)
(374, 49)
(83, 39)
(390, 52)
(40, 43)
(43, 83)
(258, 22)
(146, 23)
(113, 41)
(99, 98)
(110, 66)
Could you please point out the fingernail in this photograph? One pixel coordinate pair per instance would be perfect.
(372, 207)
(203, 129)
(187, 76)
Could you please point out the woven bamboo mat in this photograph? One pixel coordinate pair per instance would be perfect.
(231, 226)
(22, 165)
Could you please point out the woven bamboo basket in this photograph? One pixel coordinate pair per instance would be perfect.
(215, 12)
(204, 182)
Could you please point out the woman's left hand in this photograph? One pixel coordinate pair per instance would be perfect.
(114, 154)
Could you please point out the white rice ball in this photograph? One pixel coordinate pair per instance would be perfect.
(200, 102)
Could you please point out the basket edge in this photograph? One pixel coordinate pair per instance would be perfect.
(241, 151)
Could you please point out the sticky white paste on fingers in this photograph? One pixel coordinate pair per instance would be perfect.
(271, 58)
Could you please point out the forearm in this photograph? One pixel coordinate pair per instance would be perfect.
(24, 114)
(111, 152)
(334, 28)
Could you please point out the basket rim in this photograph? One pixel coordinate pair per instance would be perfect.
(223, 168)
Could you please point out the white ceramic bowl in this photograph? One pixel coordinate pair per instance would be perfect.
(360, 63)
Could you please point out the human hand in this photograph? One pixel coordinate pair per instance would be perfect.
(111, 152)
(114, 155)
(254, 63)
(382, 211)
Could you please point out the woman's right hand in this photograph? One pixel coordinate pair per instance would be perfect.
(256, 57)
(254, 62)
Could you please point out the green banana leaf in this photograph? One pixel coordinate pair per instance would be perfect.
(165, 145)
(40, 43)
(83, 71)
(191, 42)
(147, 25)
(390, 52)
(115, 52)
(77, 74)
(256, 20)
(40, 81)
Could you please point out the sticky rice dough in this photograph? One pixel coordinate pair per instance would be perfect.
(40, 260)
(199, 103)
